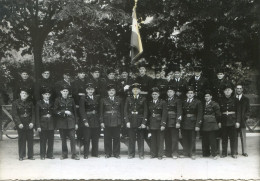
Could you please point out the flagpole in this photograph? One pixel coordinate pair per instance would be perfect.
(135, 4)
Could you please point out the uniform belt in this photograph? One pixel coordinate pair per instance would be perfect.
(46, 116)
(91, 112)
(144, 92)
(209, 115)
(134, 112)
(153, 115)
(111, 112)
(171, 112)
(229, 112)
(189, 115)
(24, 116)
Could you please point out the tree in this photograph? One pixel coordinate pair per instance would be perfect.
(27, 23)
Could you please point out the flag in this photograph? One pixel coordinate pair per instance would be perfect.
(136, 43)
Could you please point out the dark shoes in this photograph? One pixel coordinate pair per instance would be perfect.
(31, 158)
(42, 158)
(234, 156)
(130, 157)
(117, 156)
(159, 158)
(21, 159)
(245, 154)
(223, 156)
(75, 157)
(141, 157)
(85, 157)
(51, 157)
(63, 157)
(193, 157)
(107, 156)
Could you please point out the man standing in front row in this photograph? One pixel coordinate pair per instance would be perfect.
(23, 116)
(230, 120)
(192, 118)
(243, 103)
(65, 109)
(111, 115)
(174, 110)
(157, 123)
(89, 106)
(135, 118)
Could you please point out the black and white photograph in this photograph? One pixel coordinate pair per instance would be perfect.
(129, 90)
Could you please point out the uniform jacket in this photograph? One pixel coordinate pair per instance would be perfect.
(192, 114)
(78, 87)
(174, 112)
(145, 81)
(89, 110)
(157, 114)
(230, 104)
(111, 112)
(218, 86)
(121, 84)
(211, 116)
(244, 105)
(135, 111)
(199, 86)
(63, 120)
(180, 86)
(23, 113)
(162, 84)
(42, 109)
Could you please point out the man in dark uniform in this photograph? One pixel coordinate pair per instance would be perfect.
(219, 84)
(230, 120)
(23, 82)
(109, 80)
(161, 83)
(211, 118)
(78, 91)
(199, 83)
(144, 80)
(47, 82)
(66, 122)
(45, 123)
(94, 79)
(89, 113)
(66, 82)
(111, 115)
(157, 111)
(179, 83)
(191, 120)
(23, 116)
(243, 103)
(146, 83)
(174, 111)
(136, 118)
(124, 84)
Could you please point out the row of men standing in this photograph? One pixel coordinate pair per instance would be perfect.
(100, 87)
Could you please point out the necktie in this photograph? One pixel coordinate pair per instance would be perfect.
(112, 99)
(91, 97)
(154, 102)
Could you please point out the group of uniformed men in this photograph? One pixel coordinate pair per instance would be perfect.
(171, 110)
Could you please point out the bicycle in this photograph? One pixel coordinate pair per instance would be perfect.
(9, 124)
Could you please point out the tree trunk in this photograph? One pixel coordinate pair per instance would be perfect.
(37, 53)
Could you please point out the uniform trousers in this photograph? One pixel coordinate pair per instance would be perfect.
(25, 135)
(209, 143)
(93, 135)
(242, 133)
(112, 141)
(171, 141)
(136, 134)
(188, 139)
(157, 143)
(228, 132)
(70, 133)
(46, 136)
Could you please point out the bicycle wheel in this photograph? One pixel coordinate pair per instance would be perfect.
(251, 124)
(10, 125)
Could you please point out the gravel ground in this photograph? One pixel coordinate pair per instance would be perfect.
(127, 169)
